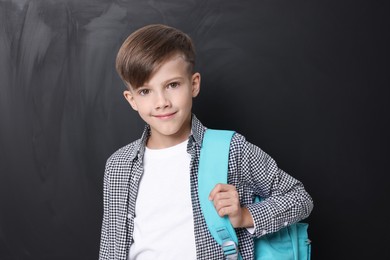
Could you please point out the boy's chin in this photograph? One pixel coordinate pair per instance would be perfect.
(167, 132)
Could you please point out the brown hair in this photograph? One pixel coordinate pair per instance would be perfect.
(147, 48)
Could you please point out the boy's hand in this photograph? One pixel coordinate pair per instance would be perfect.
(227, 202)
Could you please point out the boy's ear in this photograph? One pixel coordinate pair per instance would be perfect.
(129, 97)
(195, 81)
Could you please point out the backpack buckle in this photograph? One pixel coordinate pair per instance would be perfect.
(230, 250)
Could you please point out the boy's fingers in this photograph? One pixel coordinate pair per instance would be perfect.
(225, 203)
(227, 210)
(224, 195)
(220, 188)
(220, 203)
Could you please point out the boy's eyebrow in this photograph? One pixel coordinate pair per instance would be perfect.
(172, 79)
(164, 82)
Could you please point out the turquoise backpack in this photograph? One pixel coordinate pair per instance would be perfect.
(289, 243)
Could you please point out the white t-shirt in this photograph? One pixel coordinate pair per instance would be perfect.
(164, 223)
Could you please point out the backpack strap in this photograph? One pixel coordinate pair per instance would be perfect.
(213, 169)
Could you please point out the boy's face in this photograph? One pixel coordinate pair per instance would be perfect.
(165, 102)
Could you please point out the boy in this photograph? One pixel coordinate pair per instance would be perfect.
(151, 207)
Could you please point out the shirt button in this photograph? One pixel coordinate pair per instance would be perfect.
(285, 223)
(263, 232)
(128, 215)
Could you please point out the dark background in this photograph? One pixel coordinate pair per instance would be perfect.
(307, 81)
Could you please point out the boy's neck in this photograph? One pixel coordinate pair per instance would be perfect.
(158, 141)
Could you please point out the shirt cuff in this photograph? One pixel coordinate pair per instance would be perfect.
(252, 230)
(262, 224)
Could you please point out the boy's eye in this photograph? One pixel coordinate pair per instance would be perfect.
(144, 92)
(173, 85)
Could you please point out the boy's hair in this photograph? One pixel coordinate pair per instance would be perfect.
(147, 48)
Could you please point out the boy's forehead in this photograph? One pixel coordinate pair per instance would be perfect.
(174, 66)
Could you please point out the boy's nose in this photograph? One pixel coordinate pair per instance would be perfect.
(162, 101)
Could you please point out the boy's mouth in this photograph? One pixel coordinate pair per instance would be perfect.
(165, 116)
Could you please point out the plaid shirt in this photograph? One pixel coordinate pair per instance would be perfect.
(251, 170)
